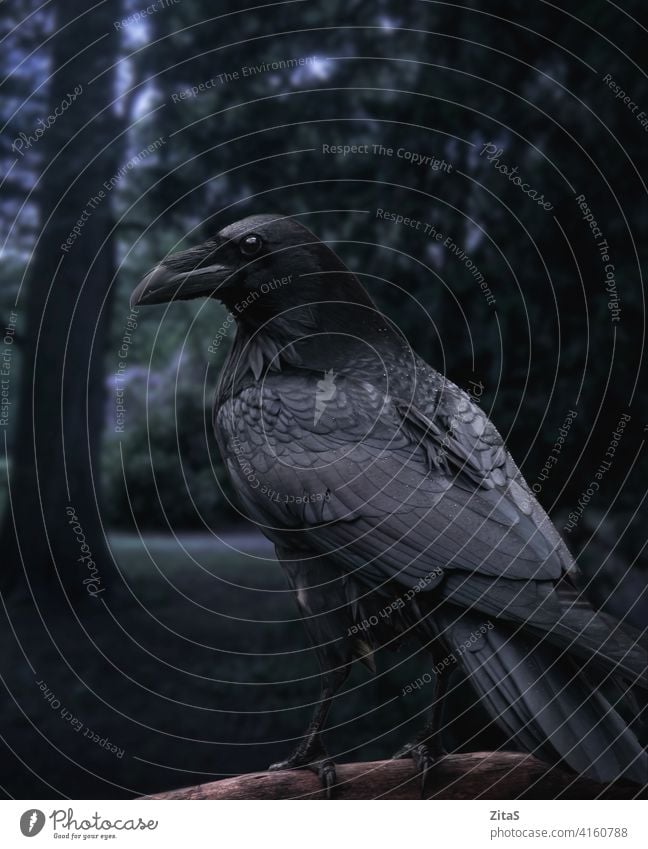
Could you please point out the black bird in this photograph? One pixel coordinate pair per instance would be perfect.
(391, 499)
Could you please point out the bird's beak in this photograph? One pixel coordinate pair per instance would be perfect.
(190, 274)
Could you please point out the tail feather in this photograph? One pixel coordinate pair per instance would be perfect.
(587, 634)
(544, 702)
(592, 637)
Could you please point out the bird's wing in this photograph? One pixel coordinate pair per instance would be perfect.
(379, 485)
(474, 447)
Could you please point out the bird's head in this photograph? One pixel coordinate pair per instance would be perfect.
(292, 297)
(258, 267)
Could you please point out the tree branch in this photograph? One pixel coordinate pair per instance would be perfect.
(477, 775)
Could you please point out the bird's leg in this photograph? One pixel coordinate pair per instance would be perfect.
(427, 747)
(310, 753)
(327, 624)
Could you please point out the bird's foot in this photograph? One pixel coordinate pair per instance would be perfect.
(425, 756)
(315, 758)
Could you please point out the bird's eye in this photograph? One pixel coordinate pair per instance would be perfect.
(251, 245)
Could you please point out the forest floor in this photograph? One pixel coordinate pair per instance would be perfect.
(194, 666)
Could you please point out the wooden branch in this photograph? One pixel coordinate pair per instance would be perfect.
(478, 775)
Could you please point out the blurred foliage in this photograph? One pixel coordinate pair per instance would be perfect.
(442, 80)
(161, 466)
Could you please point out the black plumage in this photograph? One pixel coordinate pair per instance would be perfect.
(385, 487)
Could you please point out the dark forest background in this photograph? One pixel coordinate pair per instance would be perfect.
(183, 652)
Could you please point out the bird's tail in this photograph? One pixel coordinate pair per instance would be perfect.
(553, 616)
(544, 702)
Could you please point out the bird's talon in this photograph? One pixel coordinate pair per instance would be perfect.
(425, 757)
(323, 767)
(327, 777)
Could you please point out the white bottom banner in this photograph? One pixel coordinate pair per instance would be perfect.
(324, 824)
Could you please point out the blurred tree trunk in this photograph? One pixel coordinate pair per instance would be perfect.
(61, 394)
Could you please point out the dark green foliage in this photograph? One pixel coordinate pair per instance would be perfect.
(164, 469)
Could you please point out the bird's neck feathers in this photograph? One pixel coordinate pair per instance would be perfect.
(326, 321)
(266, 346)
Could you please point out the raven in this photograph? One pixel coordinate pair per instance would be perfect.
(396, 510)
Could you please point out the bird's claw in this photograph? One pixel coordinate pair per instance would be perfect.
(424, 756)
(316, 761)
(326, 773)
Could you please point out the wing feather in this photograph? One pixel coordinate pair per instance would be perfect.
(395, 492)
